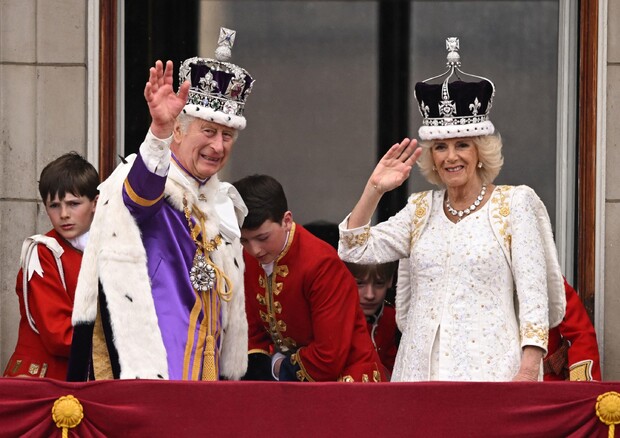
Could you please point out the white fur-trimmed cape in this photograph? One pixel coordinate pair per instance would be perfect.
(116, 258)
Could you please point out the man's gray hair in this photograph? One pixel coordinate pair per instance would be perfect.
(184, 120)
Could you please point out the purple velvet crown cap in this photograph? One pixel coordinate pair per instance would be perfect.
(454, 109)
(219, 89)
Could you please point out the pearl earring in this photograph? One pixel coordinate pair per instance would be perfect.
(434, 169)
(479, 164)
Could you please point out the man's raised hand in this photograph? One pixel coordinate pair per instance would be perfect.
(164, 104)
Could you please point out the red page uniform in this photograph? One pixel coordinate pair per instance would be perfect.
(48, 308)
(308, 309)
(572, 349)
(383, 332)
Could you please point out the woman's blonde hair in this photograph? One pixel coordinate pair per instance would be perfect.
(489, 154)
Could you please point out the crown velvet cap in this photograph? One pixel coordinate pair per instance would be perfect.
(455, 109)
(218, 89)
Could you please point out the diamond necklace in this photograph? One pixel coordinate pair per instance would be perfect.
(471, 208)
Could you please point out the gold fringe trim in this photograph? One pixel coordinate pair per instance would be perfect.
(208, 366)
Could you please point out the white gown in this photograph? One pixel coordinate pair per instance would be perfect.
(461, 323)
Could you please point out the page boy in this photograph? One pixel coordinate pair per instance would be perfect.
(50, 265)
(373, 283)
(305, 321)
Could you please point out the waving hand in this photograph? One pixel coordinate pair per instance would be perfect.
(390, 172)
(164, 104)
(395, 166)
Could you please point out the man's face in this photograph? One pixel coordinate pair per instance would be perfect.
(266, 242)
(204, 148)
(72, 216)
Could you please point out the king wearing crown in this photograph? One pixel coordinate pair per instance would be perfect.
(160, 293)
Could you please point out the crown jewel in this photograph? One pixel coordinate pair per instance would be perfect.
(224, 44)
(458, 108)
(218, 88)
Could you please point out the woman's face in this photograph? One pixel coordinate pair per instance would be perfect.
(455, 161)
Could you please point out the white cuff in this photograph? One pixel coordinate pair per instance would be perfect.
(155, 153)
(274, 359)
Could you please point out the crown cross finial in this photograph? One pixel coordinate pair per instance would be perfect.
(452, 46)
(227, 37)
(225, 43)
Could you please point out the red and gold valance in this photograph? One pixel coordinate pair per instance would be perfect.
(156, 408)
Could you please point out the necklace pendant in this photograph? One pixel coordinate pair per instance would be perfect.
(202, 274)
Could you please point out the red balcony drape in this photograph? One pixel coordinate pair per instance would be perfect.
(144, 408)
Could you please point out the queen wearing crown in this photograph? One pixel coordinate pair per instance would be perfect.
(480, 284)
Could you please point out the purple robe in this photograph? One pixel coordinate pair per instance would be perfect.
(170, 252)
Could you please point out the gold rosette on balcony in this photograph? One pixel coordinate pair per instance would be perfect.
(67, 413)
(608, 410)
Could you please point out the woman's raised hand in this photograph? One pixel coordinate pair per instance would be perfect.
(164, 104)
(391, 171)
(394, 168)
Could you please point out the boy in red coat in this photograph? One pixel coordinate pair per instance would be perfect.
(373, 282)
(50, 265)
(572, 348)
(305, 321)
